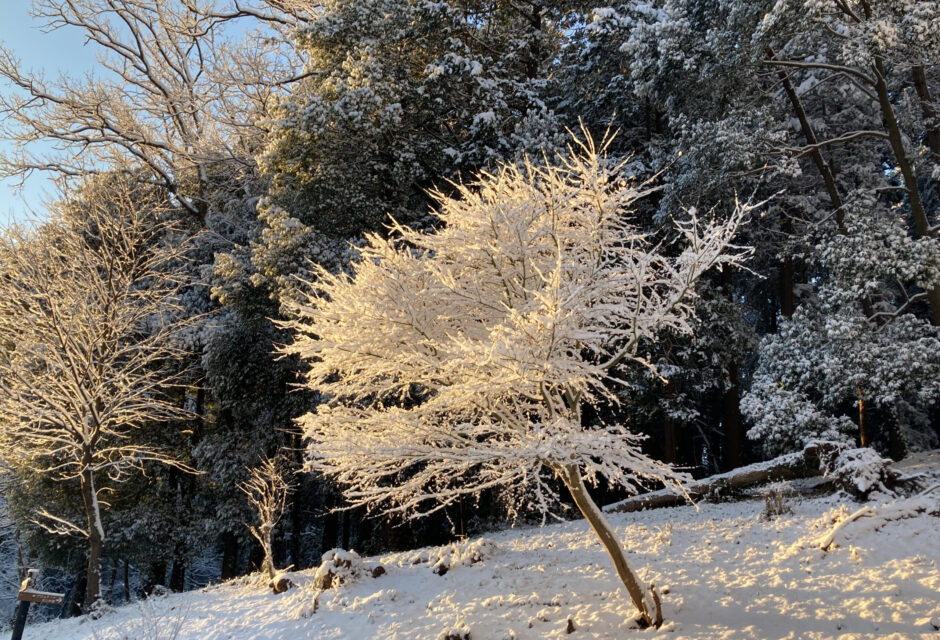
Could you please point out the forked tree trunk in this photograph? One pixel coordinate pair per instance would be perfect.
(650, 610)
(95, 535)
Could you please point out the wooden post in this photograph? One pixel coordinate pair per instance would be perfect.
(26, 596)
(19, 619)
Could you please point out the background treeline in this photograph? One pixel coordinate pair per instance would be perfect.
(277, 132)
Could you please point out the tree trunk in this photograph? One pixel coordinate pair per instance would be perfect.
(74, 607)
(670, 441)
(787, 273)
(156, 575)
(918, 213)
(127, 582)
(824, 168)
(268, 563)
(230, 551)
(346, 530)
(113, 580)
(95, 535)
(178, 572)
(734, 433)
(862, 432)
(731, 399)
(649, 608)
(931, 122)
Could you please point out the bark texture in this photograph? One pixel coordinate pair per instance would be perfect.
(650, 610)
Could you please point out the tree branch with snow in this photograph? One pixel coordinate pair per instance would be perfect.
(461, 360)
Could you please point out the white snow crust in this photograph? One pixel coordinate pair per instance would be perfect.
(725, 572)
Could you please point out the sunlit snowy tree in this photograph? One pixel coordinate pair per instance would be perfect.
(461, 360)
(89, 306)
(266, 490)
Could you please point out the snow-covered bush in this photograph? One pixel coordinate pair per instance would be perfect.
(785, 420)
(859, 471)
(458, 554)
(338, 567)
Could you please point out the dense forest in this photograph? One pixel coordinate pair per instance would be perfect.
(228, 159)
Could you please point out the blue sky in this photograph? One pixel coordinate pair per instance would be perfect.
(61, 51)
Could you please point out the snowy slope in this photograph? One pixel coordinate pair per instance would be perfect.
(729, 574)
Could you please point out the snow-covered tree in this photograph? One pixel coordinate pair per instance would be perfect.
(89, 306)
(461, 360)
(172, 93)
(266, 489)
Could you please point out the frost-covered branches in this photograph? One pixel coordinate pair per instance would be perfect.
(173, 94)
(465, 356)
(266, 490)
(459, 361)
(89, 311)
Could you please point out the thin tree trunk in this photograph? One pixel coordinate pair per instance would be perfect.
(824, 168)
(787, 273)
(127, 581)
(95, 535)
(178, 571)
(670, 442)
(862, 433)
(649, 608)
(113, 581)
(731, 399)
(346, 530)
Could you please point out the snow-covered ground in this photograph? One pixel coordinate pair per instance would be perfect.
(726, 572)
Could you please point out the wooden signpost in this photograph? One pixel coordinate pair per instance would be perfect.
(27, 596)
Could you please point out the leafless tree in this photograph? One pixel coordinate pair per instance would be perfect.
(266, 489)
(179, 89)
(90, 319)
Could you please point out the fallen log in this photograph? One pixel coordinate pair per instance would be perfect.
(817, 459)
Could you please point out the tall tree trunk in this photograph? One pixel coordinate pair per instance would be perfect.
(649, 607)
(127, 581)
(929, 111)
(95, 534)
(178, 571)
(824, 168)
(113, 580)
(731, 399)
(862, 427)
(230, 551)
(787, 273)
(918, 213)
(670, 441)
(734, 434)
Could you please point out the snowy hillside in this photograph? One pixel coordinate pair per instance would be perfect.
(726, 572)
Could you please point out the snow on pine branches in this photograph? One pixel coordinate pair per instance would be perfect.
(458, 361)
